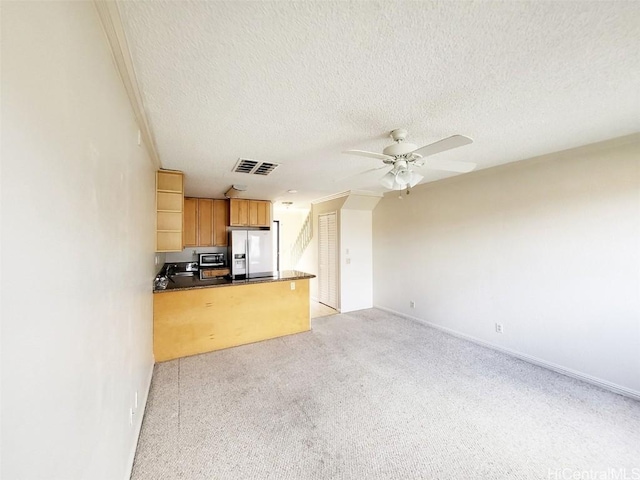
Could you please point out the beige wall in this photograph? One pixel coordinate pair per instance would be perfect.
(549, 247)
(77, 250)
(309, 260)
(355, 259)
(354, 250)
(291, 221)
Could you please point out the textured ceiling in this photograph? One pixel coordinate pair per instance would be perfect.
(299, 82)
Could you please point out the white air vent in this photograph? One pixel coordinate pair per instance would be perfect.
(254, 167)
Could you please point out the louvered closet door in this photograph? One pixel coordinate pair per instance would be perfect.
(327, 257)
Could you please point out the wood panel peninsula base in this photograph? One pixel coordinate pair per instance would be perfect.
(191, 321)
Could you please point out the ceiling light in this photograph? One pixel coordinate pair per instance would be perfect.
(292, 191)
(400, 177)
(235, 191)
(389, 181)
(415, 179)
(403, 175)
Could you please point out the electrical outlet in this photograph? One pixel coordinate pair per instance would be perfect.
(412, 304)
(293, 285)
(499, 328)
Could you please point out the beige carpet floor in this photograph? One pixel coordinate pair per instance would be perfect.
(369, 395)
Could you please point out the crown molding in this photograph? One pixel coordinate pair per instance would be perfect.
(111, 21)
(364, 193)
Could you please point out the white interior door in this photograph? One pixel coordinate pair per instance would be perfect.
(327, 258)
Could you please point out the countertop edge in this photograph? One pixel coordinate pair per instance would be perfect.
(236, 283)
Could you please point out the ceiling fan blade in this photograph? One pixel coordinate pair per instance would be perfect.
(363, 153)
(448, 143)
(374, 169)
(362, 173)
(450, 165)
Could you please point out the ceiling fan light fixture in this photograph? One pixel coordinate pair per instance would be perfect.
(400, 176)
(404, 155)
(388, 180)
(415, 179)
(403, 175)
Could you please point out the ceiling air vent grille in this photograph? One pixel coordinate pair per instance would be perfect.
(254, 167)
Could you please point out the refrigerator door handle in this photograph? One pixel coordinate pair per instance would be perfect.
(246, 254)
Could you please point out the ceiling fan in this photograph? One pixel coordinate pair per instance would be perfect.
(403, 156)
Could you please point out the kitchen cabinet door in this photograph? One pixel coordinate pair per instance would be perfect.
(220, 223)
(253, 213)
(205, 222)
(259, 213)
(239, 212)
(190, 228)
(266, 219)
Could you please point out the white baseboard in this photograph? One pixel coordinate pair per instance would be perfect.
(142, 406)
(615, 388)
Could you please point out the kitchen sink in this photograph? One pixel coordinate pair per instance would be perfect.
(183, 274)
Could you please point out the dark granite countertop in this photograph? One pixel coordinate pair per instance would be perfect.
(189, 283)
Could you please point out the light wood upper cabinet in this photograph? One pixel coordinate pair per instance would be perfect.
(250, 213)
(205, 222)
(169, 210)
(239, 212)
(190, 228)
(220, 223)
(169, 181)
(259, 213)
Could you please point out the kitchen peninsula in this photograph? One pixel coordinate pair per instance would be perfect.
(194, 315)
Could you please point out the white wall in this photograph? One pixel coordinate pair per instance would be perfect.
(356, 269)
(549, 247)
(291, 221)
(77, 249)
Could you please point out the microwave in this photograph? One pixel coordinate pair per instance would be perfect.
(211, 259)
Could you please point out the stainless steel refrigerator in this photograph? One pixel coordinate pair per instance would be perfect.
(251, 254)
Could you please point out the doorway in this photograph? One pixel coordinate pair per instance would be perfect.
(328, 259)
